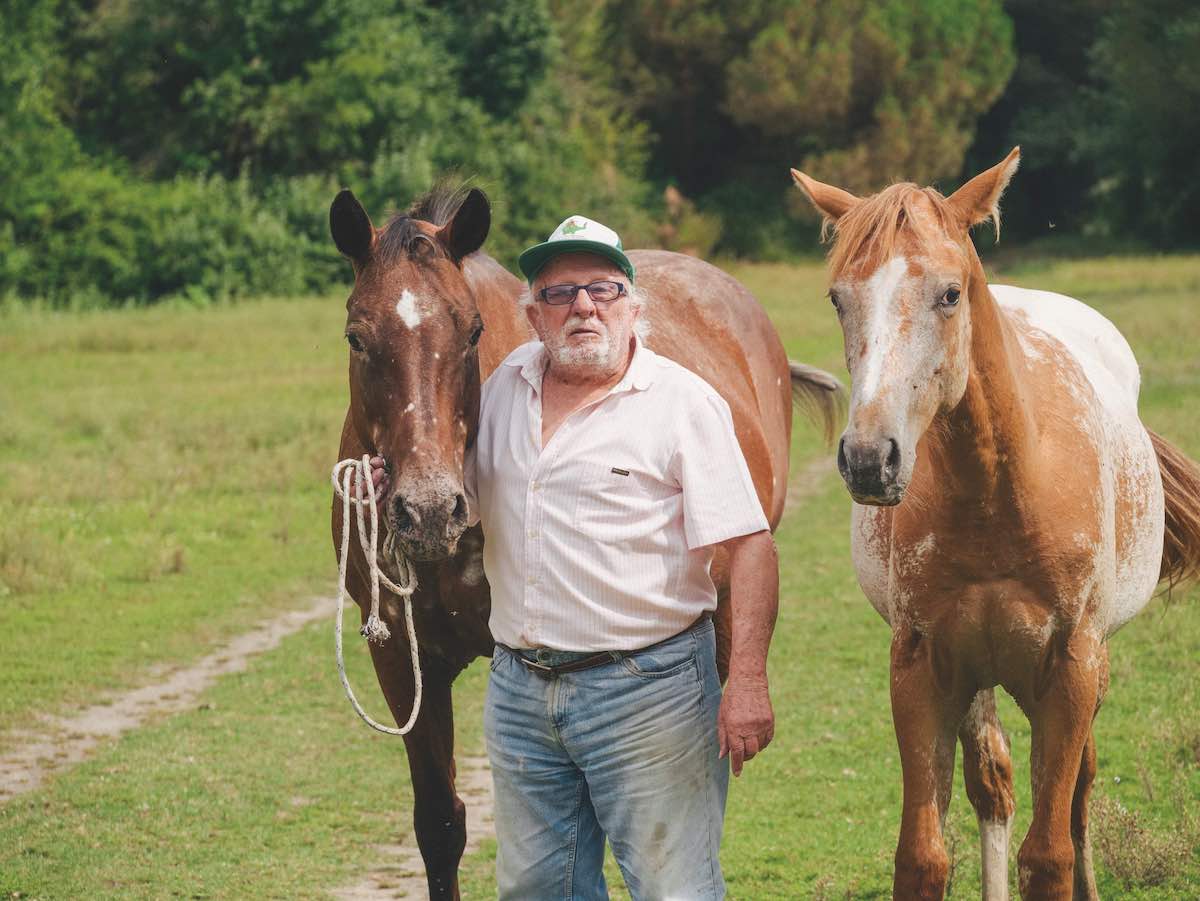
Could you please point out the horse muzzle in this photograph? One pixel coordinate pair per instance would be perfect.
(871, 470)
(426, 518)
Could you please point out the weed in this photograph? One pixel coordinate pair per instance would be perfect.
(1134, 853)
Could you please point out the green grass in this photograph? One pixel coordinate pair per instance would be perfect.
(163, 484)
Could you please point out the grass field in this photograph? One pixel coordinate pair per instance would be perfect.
(163, 485)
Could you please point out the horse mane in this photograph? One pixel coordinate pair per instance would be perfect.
(867, 233)
(436, 206)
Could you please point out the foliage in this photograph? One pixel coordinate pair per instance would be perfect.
(159, 148)
(860, 92)
(1146, 145)
(214, 137)
(1042, 110)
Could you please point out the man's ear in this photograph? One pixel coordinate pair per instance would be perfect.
(831, 202)
(351, 228)
(979, 199)
(466, 231)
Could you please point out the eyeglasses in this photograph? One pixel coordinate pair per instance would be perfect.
(602, 292)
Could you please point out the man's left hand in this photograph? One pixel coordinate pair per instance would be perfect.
(746, 723)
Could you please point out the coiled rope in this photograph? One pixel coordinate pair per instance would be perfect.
(345, 473)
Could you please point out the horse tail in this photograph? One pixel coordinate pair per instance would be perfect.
(819, 394)
(1181, 496)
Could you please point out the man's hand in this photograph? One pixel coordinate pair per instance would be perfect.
(380, 479)
(745, 723)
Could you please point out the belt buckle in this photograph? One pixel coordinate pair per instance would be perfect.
(540, 669)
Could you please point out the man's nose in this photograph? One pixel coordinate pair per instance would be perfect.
(582, 304)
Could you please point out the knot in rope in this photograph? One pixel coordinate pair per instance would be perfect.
(358, 472)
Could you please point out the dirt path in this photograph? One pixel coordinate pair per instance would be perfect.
(59, 742)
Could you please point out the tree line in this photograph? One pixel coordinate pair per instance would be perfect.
(159, 148)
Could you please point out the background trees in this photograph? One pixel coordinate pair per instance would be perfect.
(163, 147)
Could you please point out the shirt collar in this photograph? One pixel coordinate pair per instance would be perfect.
(639, 376)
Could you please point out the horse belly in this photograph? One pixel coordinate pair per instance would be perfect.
(870, 550)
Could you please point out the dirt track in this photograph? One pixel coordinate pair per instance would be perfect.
(58, 742)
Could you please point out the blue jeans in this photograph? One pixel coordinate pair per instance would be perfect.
(627, 750)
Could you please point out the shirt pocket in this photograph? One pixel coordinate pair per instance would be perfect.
(616, 504)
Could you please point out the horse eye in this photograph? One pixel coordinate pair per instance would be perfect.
(475, 335)
(355, 344)
(833, 299)
(950, 298)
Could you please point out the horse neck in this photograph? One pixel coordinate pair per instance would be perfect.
(497, 292)
(987, 440)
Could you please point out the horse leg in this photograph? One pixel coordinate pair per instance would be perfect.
(439, 815)
(1060, 714)
(987, 773)
(1085, 874)
(925, 716)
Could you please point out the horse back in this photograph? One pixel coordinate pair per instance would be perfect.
(709, 323)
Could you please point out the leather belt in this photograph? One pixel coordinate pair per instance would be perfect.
(574, 666)
(547, 671)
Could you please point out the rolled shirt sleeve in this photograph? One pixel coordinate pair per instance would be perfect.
(719, 500)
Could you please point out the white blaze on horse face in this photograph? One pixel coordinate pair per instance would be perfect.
(880, 326)
(408, 308)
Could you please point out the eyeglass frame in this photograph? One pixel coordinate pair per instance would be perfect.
(622, 291)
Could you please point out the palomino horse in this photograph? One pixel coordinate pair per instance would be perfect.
(418, 350)
(1009, 518)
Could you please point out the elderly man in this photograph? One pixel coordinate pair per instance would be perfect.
(605, 476)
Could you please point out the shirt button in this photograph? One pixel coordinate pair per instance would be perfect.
(533, 533)
(536, 486)
(531, 580)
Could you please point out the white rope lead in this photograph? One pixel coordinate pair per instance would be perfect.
(359, 472)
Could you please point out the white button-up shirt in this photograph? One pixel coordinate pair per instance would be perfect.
(602, 540)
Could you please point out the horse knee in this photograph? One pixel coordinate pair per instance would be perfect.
(1046, 872)
(921, 874)
(441, 834)
(989, 783)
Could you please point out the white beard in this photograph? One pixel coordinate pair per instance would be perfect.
(590, 357)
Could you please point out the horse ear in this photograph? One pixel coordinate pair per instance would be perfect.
(465, 232)
(979, 199)
(831, 202)
(351, 227)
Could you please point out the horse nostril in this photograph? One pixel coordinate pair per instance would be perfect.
(893, 457)
(843, 466)
(403, 519)
(460, 508)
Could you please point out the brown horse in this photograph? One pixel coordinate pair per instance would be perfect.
(1009, 518)
(422, 295)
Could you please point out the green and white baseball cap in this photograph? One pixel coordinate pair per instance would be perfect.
(576, 234)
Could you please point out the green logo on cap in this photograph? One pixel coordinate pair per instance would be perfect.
(570, 228)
